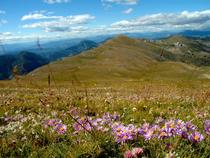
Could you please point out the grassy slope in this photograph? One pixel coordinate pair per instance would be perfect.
(189, 50)
(120, 59)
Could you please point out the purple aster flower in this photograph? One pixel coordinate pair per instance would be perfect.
(109, 118)
(180, 124)
(61, 128)
(51, 122)
(123, 133)
(149, 134)
(163, 134)
(77, 127)
(143, 129)
(184, 134)
(115, 116)
(170, 128)
(207, 127)
(190, 126)
(195, 137)
(83, 124)
(124, 137)
(170, 124)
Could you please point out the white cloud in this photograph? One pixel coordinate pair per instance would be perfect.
(156, 23)
(8, 37)
(5, 33)
(75, 26)
(39, 15)
(78, 29)
(125, 2)
(61, 23)
(128, 11)
(56, 1)
(170, 21)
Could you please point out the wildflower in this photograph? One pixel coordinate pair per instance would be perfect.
(143, 130)
(82, 124)
(52, 122)
(184, 134)
(61, 128)
(170, 128)
(195, 137)
(207, 127)
(134, 109)
(162, 135)
(180, 123)
(123, 133)
(149, 134)
(137, 151)
(128, 154)
(115, 116)
(180, 127)
(190, 126)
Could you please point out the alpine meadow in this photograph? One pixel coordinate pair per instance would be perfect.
(104, 79)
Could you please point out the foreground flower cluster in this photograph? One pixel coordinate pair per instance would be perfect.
(124, 133)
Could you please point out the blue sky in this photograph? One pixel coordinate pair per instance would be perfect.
(29, 19)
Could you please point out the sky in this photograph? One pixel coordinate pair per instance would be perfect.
(22, 20)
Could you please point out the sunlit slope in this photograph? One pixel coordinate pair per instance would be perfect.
(188, 50)
(120, 59)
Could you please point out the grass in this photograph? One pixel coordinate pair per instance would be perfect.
(29, 138)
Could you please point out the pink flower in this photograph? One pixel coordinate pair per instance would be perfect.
(128, 154)
(137, 151)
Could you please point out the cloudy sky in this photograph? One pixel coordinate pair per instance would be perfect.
(49, 19)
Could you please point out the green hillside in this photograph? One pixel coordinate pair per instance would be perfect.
(121, 59)
(188, 50)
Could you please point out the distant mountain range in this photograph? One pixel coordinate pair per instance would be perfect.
(26, 61)
(165, 34)
(73, 50)
(23, 62)
(191, 50)
(62, 44)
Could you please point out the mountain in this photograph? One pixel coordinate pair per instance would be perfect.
(195, 33)
(187, 49)
(47, 46)
(73, 50)
(122, 58)
(6, 66)
(27, 61)
(23, 62)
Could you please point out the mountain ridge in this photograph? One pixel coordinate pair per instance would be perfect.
(121, 58)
